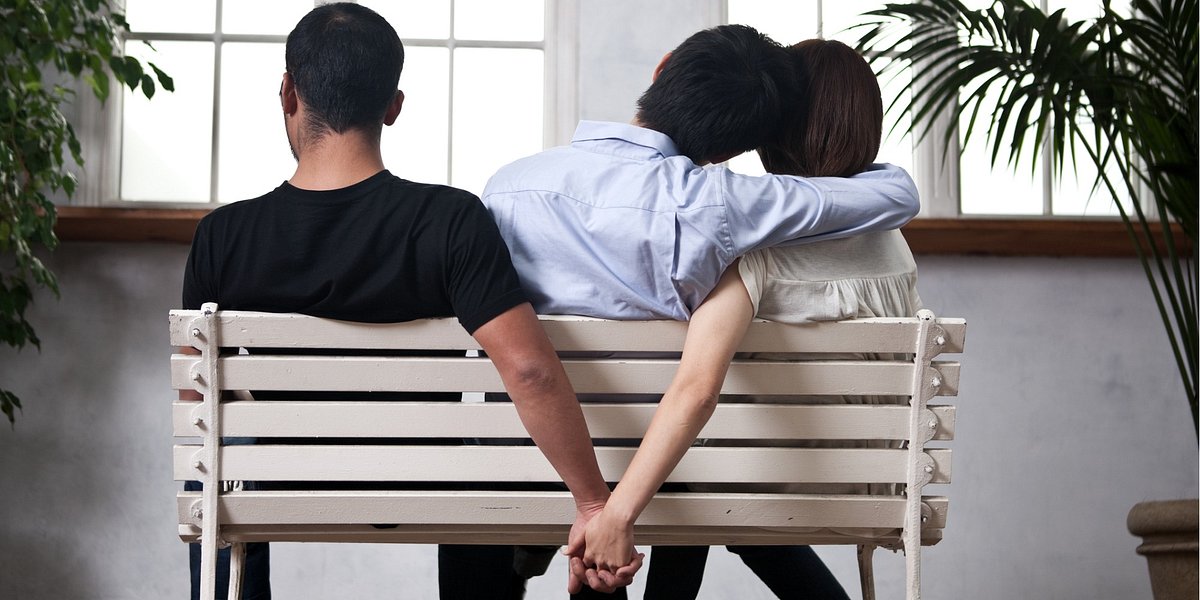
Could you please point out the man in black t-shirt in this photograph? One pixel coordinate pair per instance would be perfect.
(343, 238)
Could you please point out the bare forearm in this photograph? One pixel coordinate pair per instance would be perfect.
(716, 329)
(554, 420)
(679, 418)
(544, 399)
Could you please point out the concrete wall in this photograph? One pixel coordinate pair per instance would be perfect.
(1069, 413)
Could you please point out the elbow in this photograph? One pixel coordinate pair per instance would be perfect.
(533, 379)
(912, 207)
(700, 400)
(910, 201)
(706, 404)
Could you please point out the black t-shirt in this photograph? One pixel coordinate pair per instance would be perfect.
(383, 250)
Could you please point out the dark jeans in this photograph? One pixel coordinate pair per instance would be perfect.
(470, 572)
(465, 572)
(791, 572)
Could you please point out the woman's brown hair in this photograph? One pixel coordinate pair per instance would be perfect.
(835, 127)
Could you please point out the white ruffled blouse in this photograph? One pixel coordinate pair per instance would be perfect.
(868, 275)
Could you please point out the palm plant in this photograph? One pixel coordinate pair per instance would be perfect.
(1118, 90)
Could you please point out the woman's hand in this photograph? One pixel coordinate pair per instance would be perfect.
(601, 552)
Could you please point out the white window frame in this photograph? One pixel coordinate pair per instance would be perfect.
(99, 124)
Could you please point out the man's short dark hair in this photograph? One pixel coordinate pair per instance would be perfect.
(721, 92)
(345, 62)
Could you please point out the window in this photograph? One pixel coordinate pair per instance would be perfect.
(478, 82)
(968, 186)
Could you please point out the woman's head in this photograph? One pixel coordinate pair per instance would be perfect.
(836, 123)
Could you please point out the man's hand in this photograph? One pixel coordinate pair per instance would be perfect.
(601, 552)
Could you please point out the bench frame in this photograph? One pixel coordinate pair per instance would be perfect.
(456, 517)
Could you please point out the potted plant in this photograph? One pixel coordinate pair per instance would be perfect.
(44, 42)
(1120, 91)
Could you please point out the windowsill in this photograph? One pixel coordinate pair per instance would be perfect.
(1018, 236)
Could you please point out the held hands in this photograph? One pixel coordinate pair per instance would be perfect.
(601, 552)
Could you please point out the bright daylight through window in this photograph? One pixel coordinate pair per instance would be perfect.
(466, 61)
(1026, 189)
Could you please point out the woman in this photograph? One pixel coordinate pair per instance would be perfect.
(834, 131)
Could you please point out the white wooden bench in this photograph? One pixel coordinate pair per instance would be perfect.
(442, 511)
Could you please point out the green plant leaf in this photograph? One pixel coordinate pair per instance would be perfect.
(77, 38)
(1119, 92)
(148, 86)
(9, 404)
(163, 79)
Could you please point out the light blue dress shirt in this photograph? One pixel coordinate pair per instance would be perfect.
(620, 225)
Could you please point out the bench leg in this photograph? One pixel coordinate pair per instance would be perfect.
(912, 564)
(237, 569)
(208, 567)
(866, 571)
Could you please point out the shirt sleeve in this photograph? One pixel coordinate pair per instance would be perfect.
(775, 210)
(482, 280)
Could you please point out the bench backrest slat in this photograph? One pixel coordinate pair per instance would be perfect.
(499, 420)
(251, 329)
(526, 464)
(551, 508)
(612, 376)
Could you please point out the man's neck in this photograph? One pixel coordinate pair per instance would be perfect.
(637, 122)
(336, 161)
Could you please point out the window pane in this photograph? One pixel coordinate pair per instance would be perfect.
(253, 155)
(419, 19)
(276, 17)
(415, 148)
(1076, 10)
(497, 111)
(198, 16)
(1073, 194)
(514, 20)
(837, 17)
(1005, 190)
(167, 143)
(785, 22)
(897, 145)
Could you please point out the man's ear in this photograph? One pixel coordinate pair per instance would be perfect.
(287, 95)
(661, 65)
(393, 109)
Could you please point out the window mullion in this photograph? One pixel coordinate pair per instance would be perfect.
(937, 160)
(561, 76)
(450, 46)
(1048, 177)
(214, 172)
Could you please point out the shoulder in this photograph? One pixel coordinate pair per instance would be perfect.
(434, 195)
(233, 210)
(231, 215)
(451, 211)
(539, 170)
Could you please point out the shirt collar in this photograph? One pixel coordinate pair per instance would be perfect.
(624, 135)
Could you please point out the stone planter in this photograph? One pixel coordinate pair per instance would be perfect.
(1169, 542)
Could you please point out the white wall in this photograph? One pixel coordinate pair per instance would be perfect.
(1069, 413)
